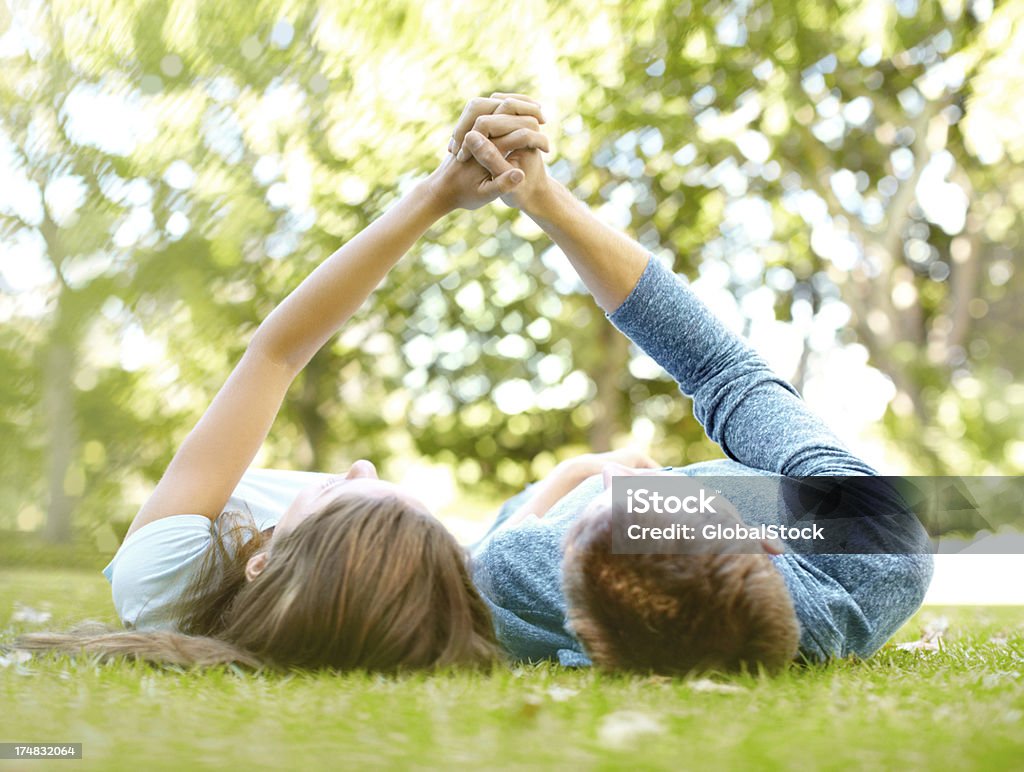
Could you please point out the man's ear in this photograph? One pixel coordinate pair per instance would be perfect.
(255, 565)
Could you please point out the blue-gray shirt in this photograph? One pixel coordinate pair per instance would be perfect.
(846, 604)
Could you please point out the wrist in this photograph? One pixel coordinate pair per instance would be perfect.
(545, 203)
(433, 196)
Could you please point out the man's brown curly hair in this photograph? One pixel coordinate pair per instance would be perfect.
(675, 613)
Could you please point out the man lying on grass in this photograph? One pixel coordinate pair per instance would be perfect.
(547, 568)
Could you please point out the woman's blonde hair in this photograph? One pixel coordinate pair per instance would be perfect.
(366, 583)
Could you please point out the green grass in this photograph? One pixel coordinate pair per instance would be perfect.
(959, 708)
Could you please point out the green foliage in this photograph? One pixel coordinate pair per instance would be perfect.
(246, 141)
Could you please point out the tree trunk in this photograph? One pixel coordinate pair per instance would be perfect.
(610, 397)
(314, 427)
(62, 438)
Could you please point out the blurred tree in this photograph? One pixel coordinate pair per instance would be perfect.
(825, 145)
(247, 157)
(178, 167)
(58, 176)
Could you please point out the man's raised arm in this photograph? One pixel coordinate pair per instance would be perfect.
(756, 416)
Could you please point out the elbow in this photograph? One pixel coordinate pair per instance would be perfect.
(263, 346)
(720, 395)
(918, 576)
(261, 349)
(900, 589)
(909, 576)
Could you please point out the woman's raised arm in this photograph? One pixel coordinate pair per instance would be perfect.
(212, 459)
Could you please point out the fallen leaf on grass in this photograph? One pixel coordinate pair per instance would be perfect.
(935, 629)
(931, 637)
(530, 707)
(623, 728)
(23, 613)
(707, 685)
(16, 657)
(561, 693)
(922, 645)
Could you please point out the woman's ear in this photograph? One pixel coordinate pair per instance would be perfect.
(255, 565)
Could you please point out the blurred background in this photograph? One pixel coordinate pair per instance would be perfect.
(842, 182)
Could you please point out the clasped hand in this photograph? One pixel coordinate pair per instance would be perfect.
(494, 151)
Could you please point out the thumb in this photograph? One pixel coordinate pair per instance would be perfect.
(504, 183)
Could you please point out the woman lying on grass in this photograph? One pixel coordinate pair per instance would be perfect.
(344, 571)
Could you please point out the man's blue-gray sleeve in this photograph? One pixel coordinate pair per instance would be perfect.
(853, 603)
(754, 415)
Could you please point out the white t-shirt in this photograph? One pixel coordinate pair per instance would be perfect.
(154, 565)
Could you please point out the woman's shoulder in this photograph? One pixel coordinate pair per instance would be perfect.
(154, 565)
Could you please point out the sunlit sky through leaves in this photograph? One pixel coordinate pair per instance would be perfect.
(742, 260)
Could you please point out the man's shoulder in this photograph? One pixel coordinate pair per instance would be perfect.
(518, 571)
(527, 546)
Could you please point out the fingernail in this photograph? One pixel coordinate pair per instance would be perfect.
(461, 156)
(516, 177)
(451, 144)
